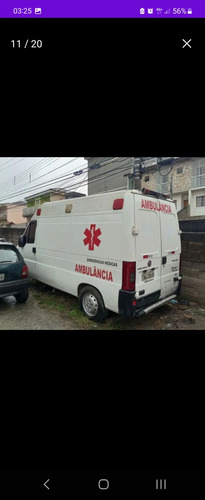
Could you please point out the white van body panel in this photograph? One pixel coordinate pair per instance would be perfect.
(148, 249)
(85, 241)
(158, 238)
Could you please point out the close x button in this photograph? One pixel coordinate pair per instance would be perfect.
(186, 43)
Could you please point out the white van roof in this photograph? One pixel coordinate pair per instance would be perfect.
(87, 204)
(95, 202)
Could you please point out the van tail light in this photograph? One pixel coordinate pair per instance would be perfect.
(24, 271)
(128, 276)
(180, 264)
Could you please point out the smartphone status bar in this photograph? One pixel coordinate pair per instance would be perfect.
(102, 8)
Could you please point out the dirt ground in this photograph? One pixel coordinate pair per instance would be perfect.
(30, 316)
(49, 309)
(170, 317)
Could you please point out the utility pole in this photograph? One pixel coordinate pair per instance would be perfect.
(138, 168)
(129, 181)
(167, 161)
(136, 172)
(171, 186)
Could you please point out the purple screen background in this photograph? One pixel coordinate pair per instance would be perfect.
(102, 8)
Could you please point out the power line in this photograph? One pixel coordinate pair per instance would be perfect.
(10, 159)
(103, 177)
(65, 177)
(13, 163)
(15, 193)
(23, 174)
(97, 178)
(5, 163)
(43, 163)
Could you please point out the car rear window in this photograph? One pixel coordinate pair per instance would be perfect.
(8, 254)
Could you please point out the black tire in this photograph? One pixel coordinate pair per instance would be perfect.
(92, 305)
(22, 297)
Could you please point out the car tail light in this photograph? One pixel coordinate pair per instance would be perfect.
(24, 271)
(128, 276)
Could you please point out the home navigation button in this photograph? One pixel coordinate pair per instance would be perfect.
(103, 484)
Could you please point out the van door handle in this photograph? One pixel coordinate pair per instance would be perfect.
(34, 250)
(164, 260)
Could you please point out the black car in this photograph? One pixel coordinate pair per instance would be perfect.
(13, 273)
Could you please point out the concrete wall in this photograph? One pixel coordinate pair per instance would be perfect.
(178, 198)
(193, 267)
(57, 197)
(182, 182)
(184, 213)
(152, 182)
(11, 234)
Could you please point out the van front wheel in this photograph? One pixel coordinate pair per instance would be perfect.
(92, 305)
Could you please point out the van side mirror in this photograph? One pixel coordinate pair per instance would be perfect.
(22, 241)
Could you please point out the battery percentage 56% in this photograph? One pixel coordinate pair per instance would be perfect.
(178, 10)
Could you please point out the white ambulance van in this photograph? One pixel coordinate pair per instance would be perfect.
(119, 251)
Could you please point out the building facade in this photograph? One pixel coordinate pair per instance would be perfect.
(34, 201)
(11, 213)
(108, 174)
(183, 180)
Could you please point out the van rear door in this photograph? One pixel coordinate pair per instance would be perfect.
(147, 250)
(171, 250)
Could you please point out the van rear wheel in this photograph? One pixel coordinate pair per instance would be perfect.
(92, 305)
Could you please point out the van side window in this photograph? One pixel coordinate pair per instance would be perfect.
(31, 232)
(26, 232)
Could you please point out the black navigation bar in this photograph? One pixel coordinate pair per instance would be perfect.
(102, 484)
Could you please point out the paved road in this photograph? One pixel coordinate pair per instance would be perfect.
(30, 316)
